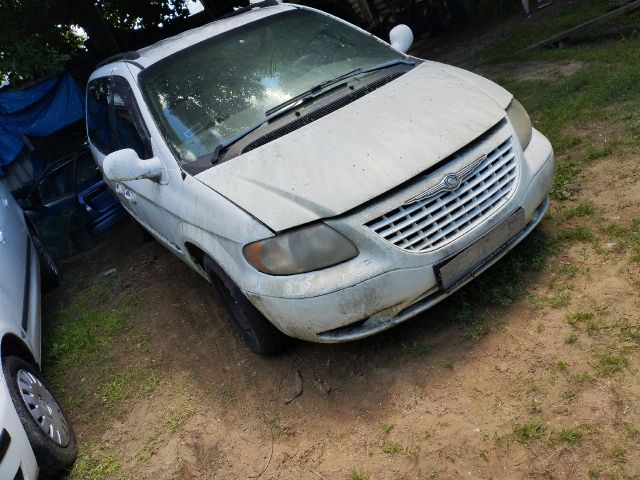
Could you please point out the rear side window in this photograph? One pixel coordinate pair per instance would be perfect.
(98, 128)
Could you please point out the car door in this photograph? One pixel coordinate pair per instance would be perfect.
(15, 258)
(147, 197)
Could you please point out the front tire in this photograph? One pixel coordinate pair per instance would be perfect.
(49, 433)
(258, 333)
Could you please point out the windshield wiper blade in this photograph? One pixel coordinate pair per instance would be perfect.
(306, 95)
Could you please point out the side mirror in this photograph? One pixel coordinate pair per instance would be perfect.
(401, 38)
(123, 165)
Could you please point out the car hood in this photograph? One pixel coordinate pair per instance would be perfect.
(362, 150)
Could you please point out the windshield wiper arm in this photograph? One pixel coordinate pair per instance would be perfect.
(312, 90)
(303, 97)
(306, 95)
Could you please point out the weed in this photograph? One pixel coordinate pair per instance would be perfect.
(609, 363)
(619, 453)
(527, 432)
(571, 339)
(417, 349)
(632, 431)
(358, 474)
(427, 435)
(391, 448)
(410, 453)
(569, 395)
(567, 269)
(386, 429)
(627, 237)
(566, 172)
(530, 385)
(582, 209)
(278, 428)
(228, 393)
(578, 317)
(574, 234)
(448, 364)
(562, 365)
(571, 435)
(95, 463)
(123, 385)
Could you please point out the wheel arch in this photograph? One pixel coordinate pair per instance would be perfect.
(13, 345)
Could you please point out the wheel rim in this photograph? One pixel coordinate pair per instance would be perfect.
(43, 407)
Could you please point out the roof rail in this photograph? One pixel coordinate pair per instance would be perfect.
(132, 55)
(251, 6)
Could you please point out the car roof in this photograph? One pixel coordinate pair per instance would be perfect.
(153, 53)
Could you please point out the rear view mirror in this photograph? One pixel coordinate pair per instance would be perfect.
(401, 38)
(123, 165)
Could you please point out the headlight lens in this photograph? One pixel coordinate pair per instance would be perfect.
(311, 248)
(521, 122)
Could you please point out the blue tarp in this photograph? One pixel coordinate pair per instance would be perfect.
(38, 111)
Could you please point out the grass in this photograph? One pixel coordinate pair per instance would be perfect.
(419, 349)
(79, 341)
(571, 339)
(579, 317)
(527, 432)
(391, 448)
(358, 474)
(94, 463)
(84, 328)
(571, 435)
(626, 237)
(609, 363)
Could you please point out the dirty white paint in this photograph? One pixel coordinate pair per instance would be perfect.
(360, 151)
(319, 173)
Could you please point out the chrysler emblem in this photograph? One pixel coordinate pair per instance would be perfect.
(450, 181)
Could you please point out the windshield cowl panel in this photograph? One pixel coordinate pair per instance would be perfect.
(208, 94)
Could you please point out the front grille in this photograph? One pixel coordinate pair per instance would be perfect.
(430, 223)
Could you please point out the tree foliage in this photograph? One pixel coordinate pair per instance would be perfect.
(37, 37)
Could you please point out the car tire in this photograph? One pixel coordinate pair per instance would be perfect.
(142, 233)
(258, 333)
(53, 457)
(50, 274)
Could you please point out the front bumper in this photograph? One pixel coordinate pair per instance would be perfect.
(390, 285)
(18, 456)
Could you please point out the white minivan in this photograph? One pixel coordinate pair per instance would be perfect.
(328, 184)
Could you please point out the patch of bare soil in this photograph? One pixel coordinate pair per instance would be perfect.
(421, 401)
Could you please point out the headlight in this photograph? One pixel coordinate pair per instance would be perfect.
(299, 251)
(521, 122)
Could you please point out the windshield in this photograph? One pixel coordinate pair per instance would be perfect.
(212, 91)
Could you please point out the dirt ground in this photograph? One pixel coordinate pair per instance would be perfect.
(538, 395)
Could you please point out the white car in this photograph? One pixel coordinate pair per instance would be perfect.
(329, 185)
(35, 436)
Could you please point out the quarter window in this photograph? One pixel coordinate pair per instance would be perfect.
(128, 127)
(98, 127)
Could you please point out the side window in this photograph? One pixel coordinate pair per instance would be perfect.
(98, 126)
(129, 129)
(57, 184)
